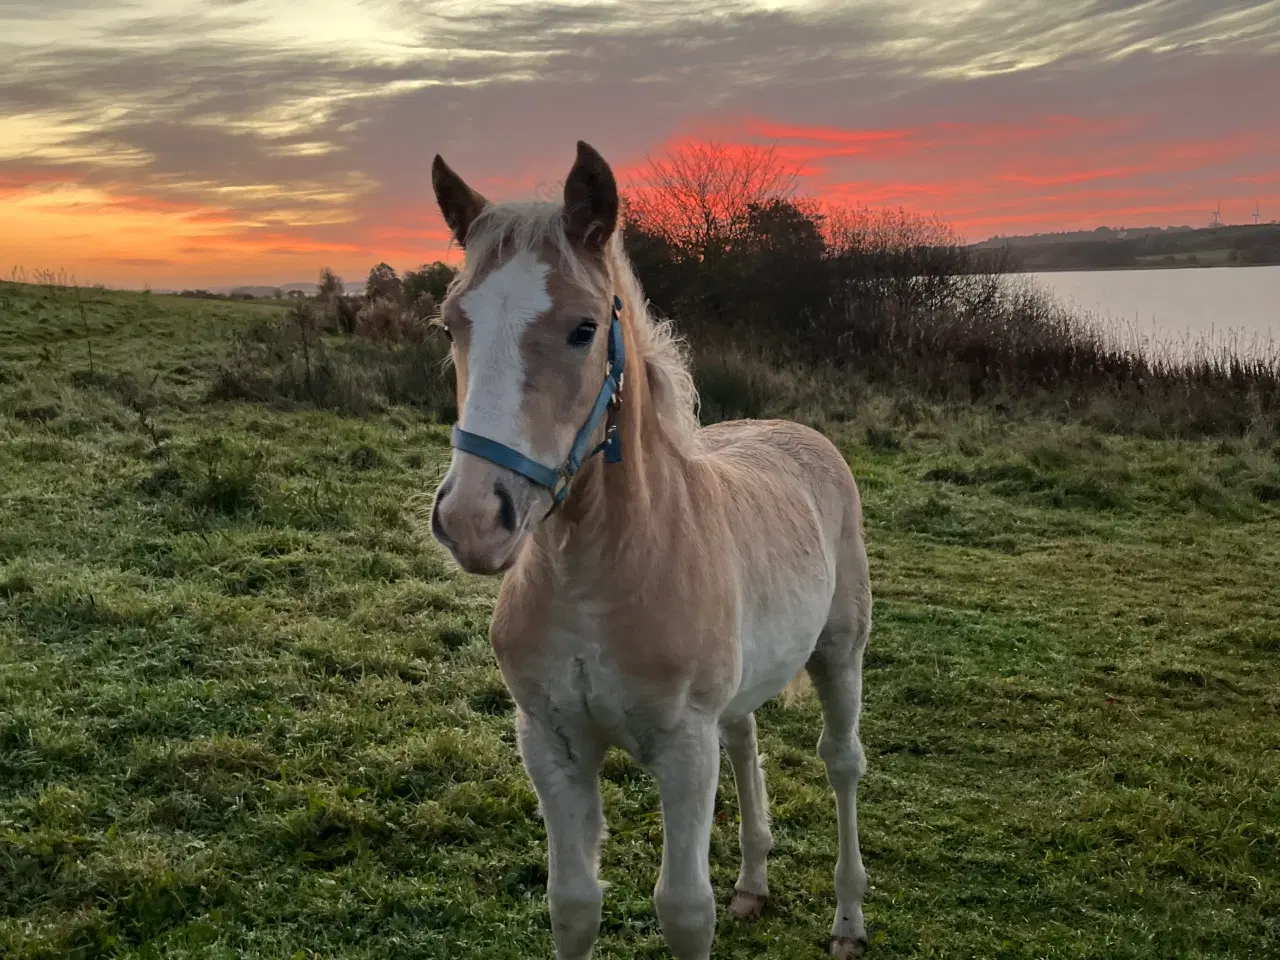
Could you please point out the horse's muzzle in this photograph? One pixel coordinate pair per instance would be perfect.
(480, 515)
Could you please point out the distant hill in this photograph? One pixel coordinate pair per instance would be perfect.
(1074, 236)
(1142, 248)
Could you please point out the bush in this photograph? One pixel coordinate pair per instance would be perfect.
(427, 284)
(733, 386)
(287, 363)
(346, 312)
(899, 301)
(835, 298)
(228, 477)
(385, 321)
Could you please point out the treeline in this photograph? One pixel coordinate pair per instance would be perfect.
(277, 294)
(723, 245)
(772, 289)
(391, 306)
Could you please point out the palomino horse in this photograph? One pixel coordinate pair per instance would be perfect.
(654, 597)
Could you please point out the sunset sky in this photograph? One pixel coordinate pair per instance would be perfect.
(206, 142)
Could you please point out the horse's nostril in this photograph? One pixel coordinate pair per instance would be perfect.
(506, 508)
(437, 530)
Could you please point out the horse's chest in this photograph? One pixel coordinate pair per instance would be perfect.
(599, 691)
(579, 681)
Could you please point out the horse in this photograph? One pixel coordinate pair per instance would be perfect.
(661, 580)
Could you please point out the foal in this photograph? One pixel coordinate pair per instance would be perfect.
(654, 597)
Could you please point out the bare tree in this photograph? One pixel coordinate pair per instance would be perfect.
(699, 196)
(871, 231)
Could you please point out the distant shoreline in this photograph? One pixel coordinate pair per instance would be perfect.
(1132, 268)
(1139, 249)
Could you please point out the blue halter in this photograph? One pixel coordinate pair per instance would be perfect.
(557, 479)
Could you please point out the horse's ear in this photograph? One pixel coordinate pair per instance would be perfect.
(590, 200)
(458, 202)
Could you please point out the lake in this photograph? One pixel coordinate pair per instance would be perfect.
(1175, 309)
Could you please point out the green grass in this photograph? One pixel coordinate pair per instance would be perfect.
(248, 709)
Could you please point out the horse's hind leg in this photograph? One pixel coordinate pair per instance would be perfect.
(836, 671)
(752, 889)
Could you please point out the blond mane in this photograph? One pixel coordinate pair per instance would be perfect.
(528, 226)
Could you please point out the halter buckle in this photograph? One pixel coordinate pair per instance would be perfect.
(563, 478)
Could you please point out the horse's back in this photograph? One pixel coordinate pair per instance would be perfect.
(766, 461)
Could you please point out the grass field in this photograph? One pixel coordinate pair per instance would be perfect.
(246, 709)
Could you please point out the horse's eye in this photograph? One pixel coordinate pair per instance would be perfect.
(448, 334)
(582, 333)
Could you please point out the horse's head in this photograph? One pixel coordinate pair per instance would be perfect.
(538, 355)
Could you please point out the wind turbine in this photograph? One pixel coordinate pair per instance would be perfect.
(1257, 213)
(1217, 216)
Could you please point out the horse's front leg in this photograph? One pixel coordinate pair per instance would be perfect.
(687, 767)
(564, 766)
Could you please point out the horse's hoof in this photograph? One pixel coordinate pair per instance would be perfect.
(847, 948)
(747, 906)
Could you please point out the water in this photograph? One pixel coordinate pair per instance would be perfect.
(1179, 312)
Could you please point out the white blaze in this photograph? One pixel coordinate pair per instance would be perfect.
(500, 310)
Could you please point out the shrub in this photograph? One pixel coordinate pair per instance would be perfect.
(227, 477)
(732, 385)
(285, 363)
(385, 321)
(899, 301)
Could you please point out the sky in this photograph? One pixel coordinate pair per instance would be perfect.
(176, 143)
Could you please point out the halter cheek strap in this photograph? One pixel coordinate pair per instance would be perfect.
(556, 479)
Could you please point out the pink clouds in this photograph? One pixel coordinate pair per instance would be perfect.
(1047, 172)
(1044, 173)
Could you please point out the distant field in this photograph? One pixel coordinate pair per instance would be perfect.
(1203, 258)
(246, 710)
(1206, 258)
(1103, 249)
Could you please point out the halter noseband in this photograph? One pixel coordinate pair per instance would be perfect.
(557, 479)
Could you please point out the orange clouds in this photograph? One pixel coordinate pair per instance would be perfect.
(16, 182)
(1050, 172)
(131, 238)
(210, 144)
